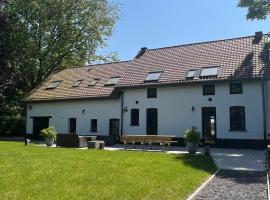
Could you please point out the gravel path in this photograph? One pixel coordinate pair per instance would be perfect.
(232, 184)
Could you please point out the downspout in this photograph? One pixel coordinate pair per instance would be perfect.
(264, 113)
(122, 107)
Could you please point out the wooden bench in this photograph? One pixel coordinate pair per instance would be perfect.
(147, 139)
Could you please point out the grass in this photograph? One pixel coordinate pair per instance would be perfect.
(34, 172)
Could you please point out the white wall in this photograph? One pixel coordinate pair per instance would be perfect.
(60, 112)
(267, 107)
(175, 109)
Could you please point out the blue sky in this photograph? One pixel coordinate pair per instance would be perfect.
(160, 23)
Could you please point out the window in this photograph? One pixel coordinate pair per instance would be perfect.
(77, 83)
(112, 81)
(93, 125)
(72, 125)
(93, 82)
(209, 71)
(191, 73)
(236, 88)
(237, 118)
(152, 93)
(153, 76)
(134, 117)
(209, 89)
(53, 84)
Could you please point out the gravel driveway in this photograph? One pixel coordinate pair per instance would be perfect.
(233, 184)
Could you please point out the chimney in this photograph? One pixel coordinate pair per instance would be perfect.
(141, 52)
(257, 37)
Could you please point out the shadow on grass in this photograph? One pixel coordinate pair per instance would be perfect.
(199, 162)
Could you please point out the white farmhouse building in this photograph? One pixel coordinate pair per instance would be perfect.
(221, 87)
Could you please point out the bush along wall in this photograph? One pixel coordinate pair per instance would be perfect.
(12, 126)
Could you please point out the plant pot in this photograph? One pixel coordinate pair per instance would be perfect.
(192, 147)
(49, 141)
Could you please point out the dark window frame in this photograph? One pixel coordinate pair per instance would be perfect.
(207, 93)
(233, 120)
(134, 117)
(94, 125)
(151, 93)
(241, 88)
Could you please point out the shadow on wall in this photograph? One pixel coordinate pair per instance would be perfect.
(199, 162)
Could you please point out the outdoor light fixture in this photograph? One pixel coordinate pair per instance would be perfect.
(125, 109)
(83, 111)
(193, 108)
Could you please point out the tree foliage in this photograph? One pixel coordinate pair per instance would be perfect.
(257, 9)
(40, 37)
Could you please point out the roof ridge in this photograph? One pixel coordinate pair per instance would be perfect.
(205, 42)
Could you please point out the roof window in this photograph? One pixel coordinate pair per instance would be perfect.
(93, 82)
(153, 76)
(209, 71)
(77, 83)
(53, 84)
(112, 81)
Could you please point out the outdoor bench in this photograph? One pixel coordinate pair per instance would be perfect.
(147, 139)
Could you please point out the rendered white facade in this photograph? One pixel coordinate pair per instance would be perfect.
(174, 106)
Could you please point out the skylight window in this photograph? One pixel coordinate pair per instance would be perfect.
(53, 84)
(153, 76)
(77, 83)
(209, 71)
(112, 81)
(191, 73)
(93, 82)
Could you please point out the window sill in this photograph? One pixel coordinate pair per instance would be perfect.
(134, 125)
(93, 131)
(241, 130)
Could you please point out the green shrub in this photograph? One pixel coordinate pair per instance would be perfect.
(12, 126)
(49, 133)
(192, 135)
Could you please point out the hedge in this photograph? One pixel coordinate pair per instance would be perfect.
(12, 126)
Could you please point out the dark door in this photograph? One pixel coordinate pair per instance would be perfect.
(114, 128)
(39, 123)
(72, 125)
(152, 121)
(209, 124)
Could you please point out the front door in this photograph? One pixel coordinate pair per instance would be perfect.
(39, 123)
(152, 121)
(114, 128)
(72, 125)
(209, 124)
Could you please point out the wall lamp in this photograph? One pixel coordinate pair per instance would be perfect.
(125, 109)
(193, 108)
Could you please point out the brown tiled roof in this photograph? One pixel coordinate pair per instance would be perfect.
(69, 76)
(238, 58)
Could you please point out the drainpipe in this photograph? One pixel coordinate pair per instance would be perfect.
(264, 113)
(122, 106)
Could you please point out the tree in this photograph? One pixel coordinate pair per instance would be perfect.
(257, 9)
(48, 35)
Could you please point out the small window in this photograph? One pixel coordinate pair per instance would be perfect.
(77, 83)
(93, 82)
(191, 73)
(237, 118)
(53, 84)
(112, 81)
(134, 117)
(93, 125)
(236, 88)
(152, 93)
(209, 89)
(209, 71)
(153, 76)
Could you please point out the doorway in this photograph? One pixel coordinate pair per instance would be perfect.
(115, 128)
(209, 129)
(39, 123)
(72, 125)
(151, 121)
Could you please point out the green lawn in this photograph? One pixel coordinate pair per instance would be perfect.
(34, 172)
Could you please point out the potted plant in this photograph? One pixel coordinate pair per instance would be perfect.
(49, 134)
(192, 138)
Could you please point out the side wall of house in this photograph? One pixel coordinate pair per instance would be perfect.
(267, 107)
(60, 112)
(175, 112)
